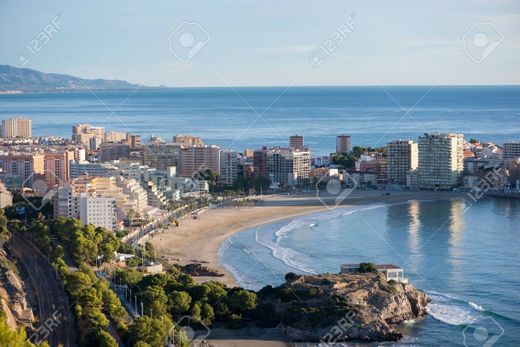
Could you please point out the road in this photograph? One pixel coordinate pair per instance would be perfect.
(56, 319)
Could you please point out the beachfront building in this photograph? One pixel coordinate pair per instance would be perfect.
(260, 162)
(441, 160)
(296, 142)
(390, 271)
(194, 159)
(343, 144)
(161, 155)
(287, 166)
(82, 133)
(402, 157)
(511, 150)
(229, 161)
(16, 127)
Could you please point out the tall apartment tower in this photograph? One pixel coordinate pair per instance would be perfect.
(403, 156)
(343, 144)
(57, 167)
(511, 150)
(287, 166)
(296, 142)
(16, 127)
(196, 158)
(229, 161)
(441, 160)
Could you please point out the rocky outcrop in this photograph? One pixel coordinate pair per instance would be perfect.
(196, 269)
(345, 307)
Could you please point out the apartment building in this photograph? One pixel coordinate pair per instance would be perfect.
(27, 166)
(134, 141)
(402, 156)
(441, 160)
(188, 140)
(98, 211)
(115, 136)
(79, 168)
(296, 142)
(286, 166)
(16, 127)
(229, 161)
(161, 155)
(511, 150)
(343, 144)
(82, 133)
(196, 158)
(260, 162)
(113, 151)
(57, 167)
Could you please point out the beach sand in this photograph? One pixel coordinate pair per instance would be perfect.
(198, 240)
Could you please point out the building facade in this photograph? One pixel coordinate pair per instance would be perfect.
(441, 161)
(196, 158)
(296, 142)
(286, 166)
(402, 157)
(16, 127)
(343, 144)
(511, 150)
(229, 161)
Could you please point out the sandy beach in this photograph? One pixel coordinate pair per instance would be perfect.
(198, 240)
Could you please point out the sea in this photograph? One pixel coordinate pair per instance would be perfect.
(466, 258)
(240, 118)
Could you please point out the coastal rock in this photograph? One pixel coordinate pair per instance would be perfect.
(196, 269)
(344, 307)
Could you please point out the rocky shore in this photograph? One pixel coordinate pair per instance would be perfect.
(340, 308)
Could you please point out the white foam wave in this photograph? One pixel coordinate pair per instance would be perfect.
(476, 306)
(450, 314)
(285, 255)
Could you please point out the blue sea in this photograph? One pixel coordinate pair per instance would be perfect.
(252, 117)
(466, 259)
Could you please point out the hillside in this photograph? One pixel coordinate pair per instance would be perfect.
(28, 80)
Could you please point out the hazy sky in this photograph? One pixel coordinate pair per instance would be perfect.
(246, 43)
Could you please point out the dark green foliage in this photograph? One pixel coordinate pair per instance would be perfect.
(367, 267)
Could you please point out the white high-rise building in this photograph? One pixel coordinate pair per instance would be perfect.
(96, 210)
(511, 150)
(286, 166)
(441, 160)
(403, 156)
(229, 161)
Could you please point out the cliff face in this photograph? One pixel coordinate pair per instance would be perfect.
(338, 308)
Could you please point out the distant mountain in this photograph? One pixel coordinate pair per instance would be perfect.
(28, 80)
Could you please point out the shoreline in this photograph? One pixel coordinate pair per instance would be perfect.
(199, 241)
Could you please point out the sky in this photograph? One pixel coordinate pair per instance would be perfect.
(267, 43)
